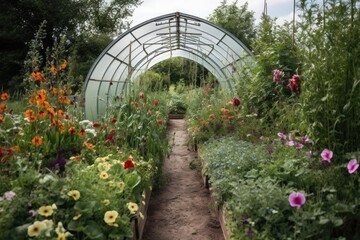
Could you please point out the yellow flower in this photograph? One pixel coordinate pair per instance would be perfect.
(54, 206)
(45, 211)
(110, 217)
(49, 224)
(77, 216)
(121, 184)
(133, 207)
(104, 166)
(60, 229)
(75, 194)
(142, 216)
(106, 202)
(35, 229)
(104, 175)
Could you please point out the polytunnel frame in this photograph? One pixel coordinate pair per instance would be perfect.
(155, 40)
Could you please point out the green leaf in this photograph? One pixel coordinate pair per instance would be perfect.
(85, 207)
(323, 220)
(132, 180)
(93, 231)
(75, 226)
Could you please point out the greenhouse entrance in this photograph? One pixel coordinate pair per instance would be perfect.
(153, 41)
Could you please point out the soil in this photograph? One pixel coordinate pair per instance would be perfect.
(181, 209)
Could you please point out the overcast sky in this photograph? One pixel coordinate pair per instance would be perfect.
(282, 9)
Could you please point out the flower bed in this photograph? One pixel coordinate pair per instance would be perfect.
(275, 190)
(66, 177)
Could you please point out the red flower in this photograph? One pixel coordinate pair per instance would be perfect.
(160, 122)
(128, 164)
(96, 124)
(113, 120)
(141, 95)
(236, 101)
(156, 102)
(294, 84)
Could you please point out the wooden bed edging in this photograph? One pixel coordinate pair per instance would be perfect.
(138, 224)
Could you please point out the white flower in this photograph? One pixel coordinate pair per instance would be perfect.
(90, 130)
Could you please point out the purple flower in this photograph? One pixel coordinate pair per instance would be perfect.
(352, 166)
(282, 135)
(269, 150)
(9, 195)
(244, 220)
(299, 145)
(277, 75)
(327, 155)
(305, 139)
(296, 199)
(290, 143)
(249, 233)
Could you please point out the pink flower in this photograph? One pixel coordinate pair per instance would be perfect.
(299, 145)
(296, 199)
(290, 143)
(352, 166)
(305, 139)
(282, 135)
(9, 195)
(327, 155)
(294, 83)
(277, 75)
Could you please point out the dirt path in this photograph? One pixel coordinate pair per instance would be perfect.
(180, 210)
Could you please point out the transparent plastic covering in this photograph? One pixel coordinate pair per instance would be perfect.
(153, 41)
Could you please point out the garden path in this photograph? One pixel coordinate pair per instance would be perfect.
(180, 209)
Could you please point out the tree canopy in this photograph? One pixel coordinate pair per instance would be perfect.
(78, 19)
(238, 20)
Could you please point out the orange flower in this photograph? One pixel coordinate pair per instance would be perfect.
(230, 117)
(37, 141)
(3, 107)
(63, 66)
(53, 90)
(14, 149)
(2, 119)
(61, 113)
(29, 113)
(82, 132)
(212, 115)
(51, 111)
(31, 118)
(63, 99)
(75, 158)
(160, 122)
(89, 145)
(226, 111)
(31, 101)
(44, 104)
(53, 70)
(230, 103)
(72, 130)
(4, 96)
(38, 76)
(41, 114)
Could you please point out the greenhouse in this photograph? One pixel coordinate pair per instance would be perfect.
(200, 122)
(158, 39)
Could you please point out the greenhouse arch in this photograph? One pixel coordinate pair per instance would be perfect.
(143, 46)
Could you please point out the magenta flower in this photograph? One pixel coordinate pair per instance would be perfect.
(327, 155)
(277, 75)
(282, 135)
(297, 199)
(352, 166)
(299, 145)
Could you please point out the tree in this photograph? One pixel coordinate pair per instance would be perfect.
(77, 19)
(237, 20)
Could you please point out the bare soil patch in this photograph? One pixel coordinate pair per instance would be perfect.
(181, 209)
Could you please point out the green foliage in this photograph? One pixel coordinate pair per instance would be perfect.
(237, 20)
(330, 100)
